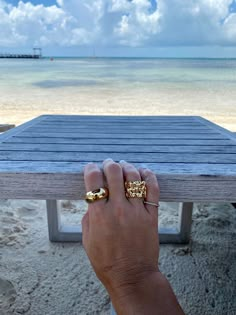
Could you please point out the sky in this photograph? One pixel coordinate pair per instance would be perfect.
(132, 28)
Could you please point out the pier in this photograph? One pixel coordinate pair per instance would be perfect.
(37, 54)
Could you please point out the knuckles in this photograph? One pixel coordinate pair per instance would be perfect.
(113, 168)
(93, 174)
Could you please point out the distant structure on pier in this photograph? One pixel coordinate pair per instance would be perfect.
(37, 54)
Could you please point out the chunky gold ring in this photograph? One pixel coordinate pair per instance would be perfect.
(135, 189)
(97, 194)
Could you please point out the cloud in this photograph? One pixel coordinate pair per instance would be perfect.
(119, 22)
(28, 24)
(137, 22)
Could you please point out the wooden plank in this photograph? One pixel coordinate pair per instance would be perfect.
(183, 169)
(17, 130)
(218, 128)
(129, 157)
(121, 136)
(87, 123)
(71, 118)
(71, 186)
(132, 121)
(134, 141)
(117, 148)
(121, 130)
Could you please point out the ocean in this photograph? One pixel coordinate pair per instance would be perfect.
(204, 87)
(117, 72)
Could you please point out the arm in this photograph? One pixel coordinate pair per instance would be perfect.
(121, 240)
(151, 296)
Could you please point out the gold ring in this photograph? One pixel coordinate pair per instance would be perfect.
(135, 189)
(151, 203)
(97, 194)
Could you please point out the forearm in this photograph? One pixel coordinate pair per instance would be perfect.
(152, 296)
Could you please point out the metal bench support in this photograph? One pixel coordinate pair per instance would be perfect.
(66, 233)
(58, 232)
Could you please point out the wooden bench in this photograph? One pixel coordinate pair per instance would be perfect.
(194, 160)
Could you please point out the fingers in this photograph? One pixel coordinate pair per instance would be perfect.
(93, 178)
(152, 189)
(115, 180)
(131, 174)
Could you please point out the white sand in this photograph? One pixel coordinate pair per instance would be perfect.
(42, 278)
(18, 106)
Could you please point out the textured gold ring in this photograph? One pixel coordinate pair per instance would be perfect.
(97, 194)
(135, 189)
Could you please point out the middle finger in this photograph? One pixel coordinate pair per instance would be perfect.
(131, 174)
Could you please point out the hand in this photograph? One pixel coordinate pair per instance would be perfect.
(119, 234)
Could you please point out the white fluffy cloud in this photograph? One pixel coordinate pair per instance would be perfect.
(118, 22)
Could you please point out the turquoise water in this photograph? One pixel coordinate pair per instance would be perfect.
(118, 86)
(117, 72)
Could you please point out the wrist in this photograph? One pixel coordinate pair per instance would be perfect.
(151, 294)
(121, 284)
(127, 298)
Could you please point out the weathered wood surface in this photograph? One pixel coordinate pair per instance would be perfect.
(108, 135)
(60, 186)
(131, 148)
(167, 169)
(129, 157)
(100, 141)
(194, 159)
(5, 127)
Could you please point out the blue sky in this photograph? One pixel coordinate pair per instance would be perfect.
(165, 28)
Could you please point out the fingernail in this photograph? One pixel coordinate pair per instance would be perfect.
(122, 161)
(108, 159)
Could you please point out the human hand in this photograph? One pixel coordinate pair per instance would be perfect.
(119, 234)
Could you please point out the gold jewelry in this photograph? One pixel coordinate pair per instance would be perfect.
(97, 194)
(135, 189)
(152, 203)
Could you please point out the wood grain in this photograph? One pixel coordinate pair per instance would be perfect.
(193, 159)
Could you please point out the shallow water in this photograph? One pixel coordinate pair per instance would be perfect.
(205, 87)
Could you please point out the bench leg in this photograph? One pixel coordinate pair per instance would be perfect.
(185, 221)
(58, 232)
(65, 233)
(180, 234)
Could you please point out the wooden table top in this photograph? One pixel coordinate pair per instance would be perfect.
(194, 159)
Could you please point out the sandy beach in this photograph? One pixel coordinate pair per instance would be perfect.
(42, 278)
(38, 277)
(216, 105)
